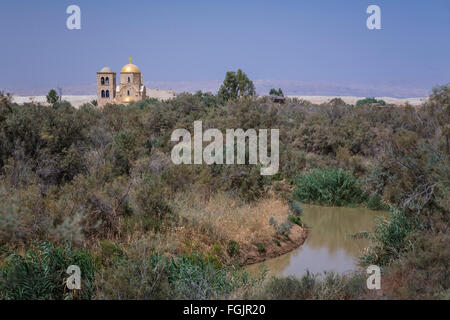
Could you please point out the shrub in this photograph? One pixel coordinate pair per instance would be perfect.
(150, 203)
(135, 278)
(328, 186)
(296, 208)
(390, 237)
(40, 273)
(194, 277)
(123, 151)
(284, 229)
(260, 247)
(370, 101)
(376, 203)
(52, 96)
(296, 220)
(327, 286)
(422, 273)
(233, 248)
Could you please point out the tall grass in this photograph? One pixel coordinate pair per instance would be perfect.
(40, 273)
(191, 276)
(223, 218)
(334, 187)
(390, 238)
(313, 286)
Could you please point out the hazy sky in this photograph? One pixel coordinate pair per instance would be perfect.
(321, 41)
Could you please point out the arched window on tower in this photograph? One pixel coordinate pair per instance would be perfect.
(103, 93)
(129, 79)
(107, 81)
(107, 93)
(128, 92)
(102, 80)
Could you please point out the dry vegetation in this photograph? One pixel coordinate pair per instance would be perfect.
(96, 187)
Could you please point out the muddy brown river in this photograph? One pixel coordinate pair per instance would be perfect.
(329, 246)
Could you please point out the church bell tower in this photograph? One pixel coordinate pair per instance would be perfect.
(106, 86)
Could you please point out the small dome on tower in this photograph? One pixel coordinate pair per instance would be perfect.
(106, 69)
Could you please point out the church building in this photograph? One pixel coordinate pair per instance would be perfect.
(130, 88)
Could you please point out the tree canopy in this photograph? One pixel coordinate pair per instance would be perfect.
(276, 92)
(236, 84)
(52, 97)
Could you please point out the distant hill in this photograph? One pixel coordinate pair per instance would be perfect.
(290, 87)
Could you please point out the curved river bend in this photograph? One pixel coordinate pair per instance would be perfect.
(329, 246)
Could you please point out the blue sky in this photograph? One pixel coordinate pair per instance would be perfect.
(320, 41)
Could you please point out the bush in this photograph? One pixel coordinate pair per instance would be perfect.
(327, 286)
(296, 220)
(40, 273)
(376, 203)
(233, 248)
(422, 273)
(150, 203)
(296, 208)
(370, 101)
(52, 96)
(334, 187)
(390, 237)
(260, 247)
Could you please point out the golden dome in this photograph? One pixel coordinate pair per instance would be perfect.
(130, 68)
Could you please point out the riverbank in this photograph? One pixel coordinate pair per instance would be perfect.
(277, 247)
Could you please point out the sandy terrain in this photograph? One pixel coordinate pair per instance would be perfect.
(78, 100)
(352, 99)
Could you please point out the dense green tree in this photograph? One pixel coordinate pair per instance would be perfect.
(52, 97)
(276, 92)
(370, 101)
(236, 84)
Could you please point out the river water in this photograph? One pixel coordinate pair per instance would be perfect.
(329, 246)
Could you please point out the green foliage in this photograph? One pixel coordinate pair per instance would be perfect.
(334, 187)
(283, 229)
(185, 277)
(296, 220)
(260, 247)
(137, 277)
(52, 97)
(276, 92)
(376, 203)
(236, 84)
(111, 252)
(99, 177)
(425, 268)
(124, 151)
(296, 208)
(151, 205)
(246, 181)
(391, 239)
(193, 277)
(370, 101)
(40, 273)
(329, 286)
(233, 248)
